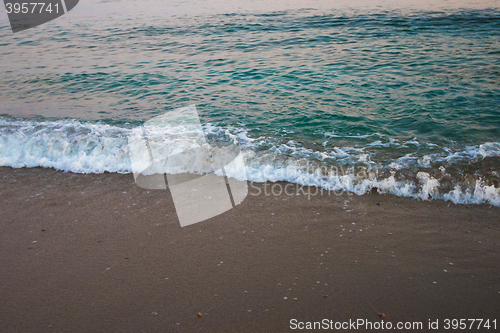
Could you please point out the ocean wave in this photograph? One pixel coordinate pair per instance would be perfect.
(468, 175)
(67, 145)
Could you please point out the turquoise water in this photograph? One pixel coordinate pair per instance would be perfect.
(413, 95)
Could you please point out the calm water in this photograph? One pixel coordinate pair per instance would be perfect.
(410, 96)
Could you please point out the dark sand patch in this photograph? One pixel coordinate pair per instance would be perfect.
(92, 253)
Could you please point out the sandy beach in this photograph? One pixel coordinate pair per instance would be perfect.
(396, 98)
(96, 253)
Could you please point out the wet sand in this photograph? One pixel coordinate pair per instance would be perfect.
(96, 253)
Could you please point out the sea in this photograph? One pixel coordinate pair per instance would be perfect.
(390, 96)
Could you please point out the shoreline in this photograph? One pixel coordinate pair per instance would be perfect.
(95, 252)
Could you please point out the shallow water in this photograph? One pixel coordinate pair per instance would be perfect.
(403, 99)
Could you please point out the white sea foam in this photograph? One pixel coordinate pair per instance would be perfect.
(80, 147)
(64, 145)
